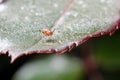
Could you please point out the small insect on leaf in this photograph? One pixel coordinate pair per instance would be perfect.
(47, 32)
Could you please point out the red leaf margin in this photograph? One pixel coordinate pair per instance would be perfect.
(69, 47)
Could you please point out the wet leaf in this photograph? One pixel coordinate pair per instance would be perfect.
(49, 26)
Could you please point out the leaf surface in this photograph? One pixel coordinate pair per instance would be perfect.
(70, 21)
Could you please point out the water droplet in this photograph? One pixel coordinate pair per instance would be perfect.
(80, 2)
(72, 13)
(22, 8)
(27, 18)
(102, 1)
(31, 10)
(75, 14)
(84, 6)
(36, 14)
(4, 43)
(2, 7)
(55, 5)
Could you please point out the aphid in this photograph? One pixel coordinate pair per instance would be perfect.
(47, 32)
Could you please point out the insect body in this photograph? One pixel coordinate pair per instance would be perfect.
(47, 32)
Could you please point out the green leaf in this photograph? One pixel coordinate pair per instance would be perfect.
(51, 68)
(68, 21)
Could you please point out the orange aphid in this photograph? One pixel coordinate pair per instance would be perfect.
(47, 32)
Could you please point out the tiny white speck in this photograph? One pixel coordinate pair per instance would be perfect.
(2, 7)
(76, 43)
(27, 18)
(36, 14)
(102, 1)
(22, 8)
(80, 2)
(4, 44)
(68, 13)
(84, 6)
(55, 5)
(72, 13)
(31, 11)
